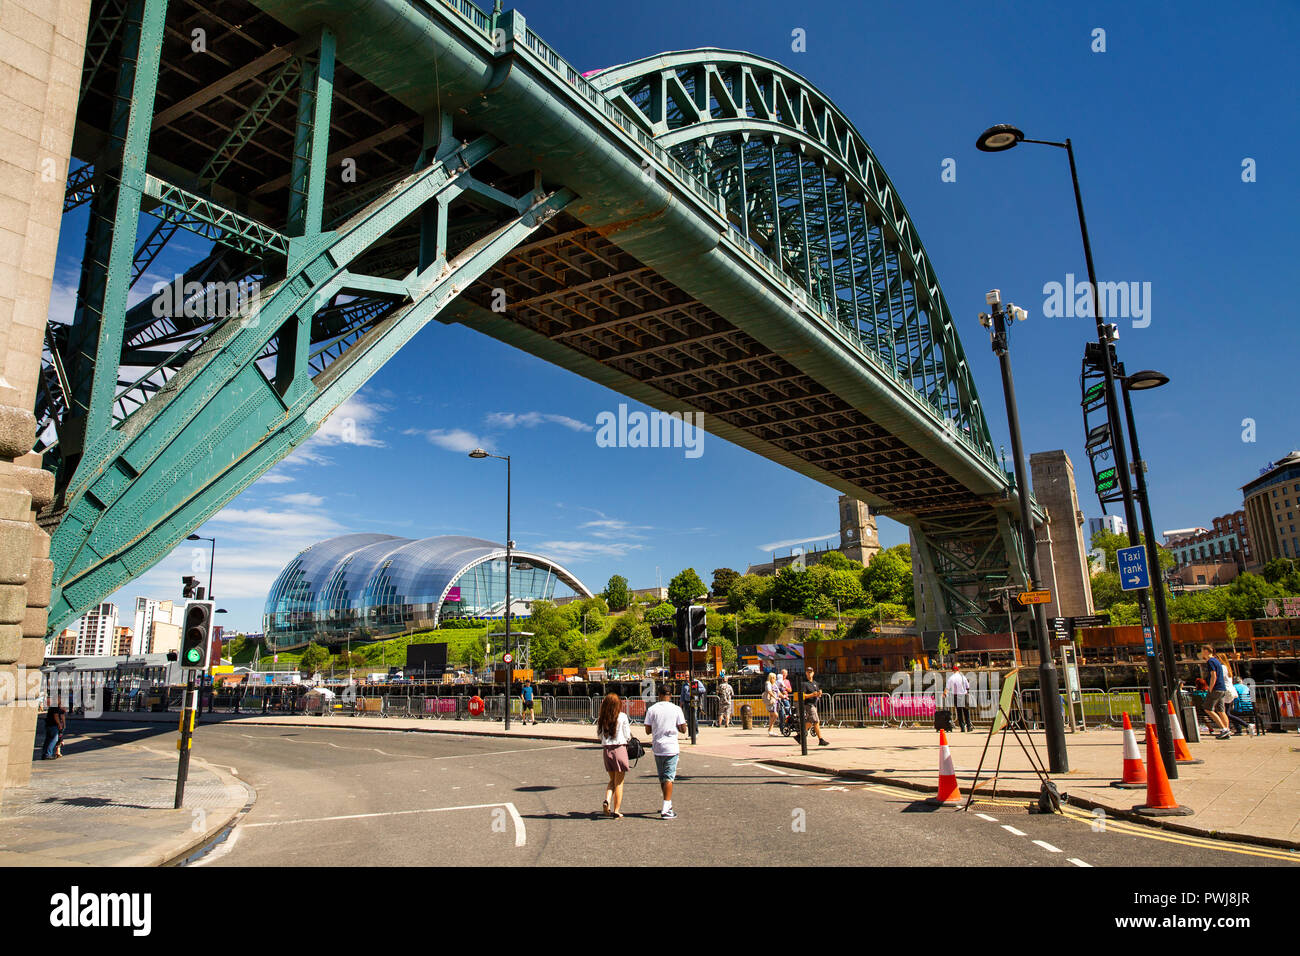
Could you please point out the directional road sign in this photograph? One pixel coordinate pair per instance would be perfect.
(1133, 572)
(1034, 597)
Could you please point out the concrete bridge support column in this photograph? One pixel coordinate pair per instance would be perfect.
(42, 45)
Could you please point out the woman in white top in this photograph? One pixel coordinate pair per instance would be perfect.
(615, 731)
(772, 697)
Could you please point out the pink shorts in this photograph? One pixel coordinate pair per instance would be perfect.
(616, 759)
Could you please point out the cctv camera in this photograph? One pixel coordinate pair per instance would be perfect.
(993, 296)
(1019, 313)
(1112, 332)
(985, 319)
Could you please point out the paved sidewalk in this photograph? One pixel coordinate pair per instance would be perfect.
(107, 803)
(1248, 788)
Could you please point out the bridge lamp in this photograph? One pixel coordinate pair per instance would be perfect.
(1145, 379)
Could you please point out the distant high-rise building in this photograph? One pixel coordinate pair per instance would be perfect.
(97, 631)
(1272, 501)
(147, 611)
(122, 640)
(1112, 523)
(1227, 543)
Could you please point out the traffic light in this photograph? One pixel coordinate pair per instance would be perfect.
(188, 585)
(196, 635)
(682, 632)
(662, 632)
(699, 632)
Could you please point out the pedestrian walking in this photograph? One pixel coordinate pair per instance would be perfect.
(772, 698)
(56, 724)
(811, 692)
(526, 702)
(1216, 679)
(958, 687)
(615, 731)
(725, 695)
(787, 692)
(663, 722)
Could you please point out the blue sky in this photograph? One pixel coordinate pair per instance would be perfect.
(1161, 122)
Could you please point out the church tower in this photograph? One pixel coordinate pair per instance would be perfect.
(858, 539)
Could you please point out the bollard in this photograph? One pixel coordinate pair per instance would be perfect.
(746, 717)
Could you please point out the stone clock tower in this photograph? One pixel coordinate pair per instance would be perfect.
(858, 539)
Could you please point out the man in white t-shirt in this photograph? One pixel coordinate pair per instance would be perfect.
(958, 687)
(663, 722)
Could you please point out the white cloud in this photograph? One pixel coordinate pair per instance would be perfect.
(262, 522)
(572, 551)
(301, 499)
(452, 439)
(778, 545)
(533, 419)
(275, 478)
(613, 528)
(352, 423)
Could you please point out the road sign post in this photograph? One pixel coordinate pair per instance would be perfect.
(1134, 574)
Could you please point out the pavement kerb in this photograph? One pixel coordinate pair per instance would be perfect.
(220, 828)
(432, 729)
(1074, 801)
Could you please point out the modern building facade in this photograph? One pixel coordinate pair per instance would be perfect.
(1272, 502)
(147, 612)
(1228, 542)
(1115, 524)
(364, 586)
(97, 631)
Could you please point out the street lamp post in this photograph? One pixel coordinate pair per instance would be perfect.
(510, 665)
(996, 139)
(211, 562)
(1048, 681)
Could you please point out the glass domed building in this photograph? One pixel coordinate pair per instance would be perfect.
(361, 586)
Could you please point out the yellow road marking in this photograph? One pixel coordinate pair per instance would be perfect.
(1169, 836)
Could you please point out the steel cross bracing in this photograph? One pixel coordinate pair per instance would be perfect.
(155, 416)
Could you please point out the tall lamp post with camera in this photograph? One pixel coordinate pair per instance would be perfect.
(1048, 680)
(508, 657)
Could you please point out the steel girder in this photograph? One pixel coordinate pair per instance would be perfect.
(153, 455)
(802, 185)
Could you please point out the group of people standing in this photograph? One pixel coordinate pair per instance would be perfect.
(1224, 698)
(778, 696)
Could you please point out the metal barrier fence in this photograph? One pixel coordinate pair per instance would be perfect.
(574, 708)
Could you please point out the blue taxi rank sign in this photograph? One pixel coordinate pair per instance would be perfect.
(1133, 573)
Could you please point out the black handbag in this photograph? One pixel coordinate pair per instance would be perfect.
(635, 750)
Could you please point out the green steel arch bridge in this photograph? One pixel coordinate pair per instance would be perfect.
(702, 231)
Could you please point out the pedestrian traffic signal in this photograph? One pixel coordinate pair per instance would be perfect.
(699, 632)
(196, 635)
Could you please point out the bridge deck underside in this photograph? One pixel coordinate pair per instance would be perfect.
(578, 289)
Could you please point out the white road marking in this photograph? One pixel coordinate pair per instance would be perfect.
(1011, 829)
(221, 850)
(841, 789)
(985, 816)
(1047, 846)
(521, 835)
(1077, 862)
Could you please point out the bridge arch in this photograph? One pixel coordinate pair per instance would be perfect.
(802, 185)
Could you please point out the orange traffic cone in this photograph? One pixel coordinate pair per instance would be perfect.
(948, 792)
(1182, 753)
(1160, 796)
(1148, 718)
(1135, 773)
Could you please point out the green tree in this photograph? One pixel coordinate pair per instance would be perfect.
(1230, 632)
(1277, 569)
(944, 647)
(1105, 589)
(754, 590)
(616, 594)
(820, 607)
(685, 587)
(1109, 541)
(313, 658)
(888, 578)
(661, 613)
(723, 579)
(793, 589)
(837, 561)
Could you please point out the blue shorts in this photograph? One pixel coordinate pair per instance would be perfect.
(667, 766)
